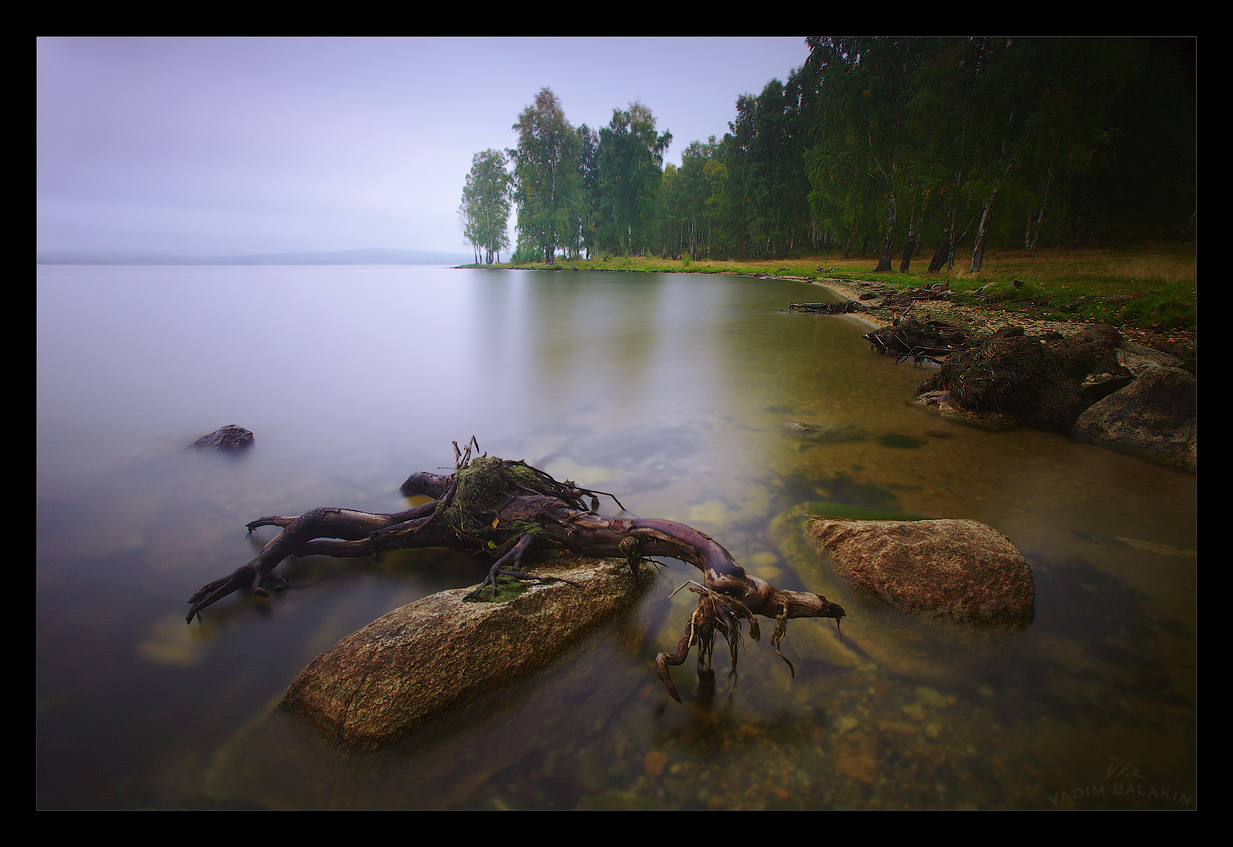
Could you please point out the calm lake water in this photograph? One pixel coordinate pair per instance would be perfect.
(671, 391)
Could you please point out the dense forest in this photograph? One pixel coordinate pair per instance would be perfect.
(895, 147)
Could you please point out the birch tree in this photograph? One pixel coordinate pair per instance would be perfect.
(546, 177)
(486, 206)
(631, 157)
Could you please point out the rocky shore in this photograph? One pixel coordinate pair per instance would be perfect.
(989, 319)
(1124, 388)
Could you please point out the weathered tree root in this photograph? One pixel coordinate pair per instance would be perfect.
(840, 307)
(721, 614)
(921, 341)
(504, 510)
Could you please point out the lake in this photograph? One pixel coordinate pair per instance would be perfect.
(671, 391)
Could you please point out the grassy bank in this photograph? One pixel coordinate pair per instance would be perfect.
(1152, 287)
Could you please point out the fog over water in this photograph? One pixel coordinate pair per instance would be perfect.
(672, 391)
(225, 146)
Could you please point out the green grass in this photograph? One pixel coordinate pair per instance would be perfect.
(1152, 286)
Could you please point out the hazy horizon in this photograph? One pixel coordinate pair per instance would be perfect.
(245, 146)
(358, 256)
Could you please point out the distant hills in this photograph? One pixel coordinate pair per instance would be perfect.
(376, 256)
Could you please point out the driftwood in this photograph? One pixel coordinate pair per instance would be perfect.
(841, 307)
(505, 511)
(905, 299)
(921, 341)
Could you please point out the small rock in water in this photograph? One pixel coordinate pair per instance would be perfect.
(654, 763)
(229, 437)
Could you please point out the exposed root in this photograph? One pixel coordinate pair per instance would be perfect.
(920, 341)
(504, 510)
(502, 567)
(716, 614)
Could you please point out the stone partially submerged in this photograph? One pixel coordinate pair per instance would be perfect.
(1093, 386)
(511, 513)
(227, 438)
(439, 653)
(959, 570)
(928, 646)
(1155, 416)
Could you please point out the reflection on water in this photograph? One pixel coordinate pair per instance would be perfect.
(682, 395)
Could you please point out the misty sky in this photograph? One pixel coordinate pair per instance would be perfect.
(223, 146)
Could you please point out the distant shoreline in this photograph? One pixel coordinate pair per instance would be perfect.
(376, 256)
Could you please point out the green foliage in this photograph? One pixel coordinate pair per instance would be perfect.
(506, 589)
(588, 183)
(763, 200)
(546, 178)
(1171, 306)
(630, 161)
(485, 208)
(692, 201)
(991, 140)
(947, 143)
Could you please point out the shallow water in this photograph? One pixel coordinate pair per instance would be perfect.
(670, 391)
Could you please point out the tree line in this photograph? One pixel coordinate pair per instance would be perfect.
(880, 145)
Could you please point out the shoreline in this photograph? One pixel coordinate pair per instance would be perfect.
(987, 320)
(1172, 352)
(967, 317)
(977, 319)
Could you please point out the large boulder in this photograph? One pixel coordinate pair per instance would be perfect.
(433, 655)
(959, 570)
(926, 646)
(1155, 416)
(1093, 385)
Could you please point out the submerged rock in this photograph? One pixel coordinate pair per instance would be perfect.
(945, 405)
(961, 570)
(229, 437)
(879, 636)
(822, 433)
(1094, 385)
(1155, 416)
(436, 654)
